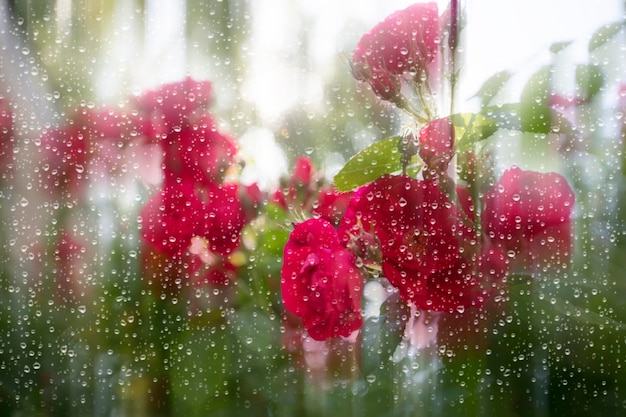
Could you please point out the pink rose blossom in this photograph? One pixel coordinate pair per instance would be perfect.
(198, 152)
(300, 188)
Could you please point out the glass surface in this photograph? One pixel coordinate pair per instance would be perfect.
(293, 208)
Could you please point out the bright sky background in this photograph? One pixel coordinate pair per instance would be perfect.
(500, 34)
(516, 35)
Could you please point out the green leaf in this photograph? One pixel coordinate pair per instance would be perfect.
(470, 128)
(534, 105)
(604, 34)
(382, 334)
(492, 86)
(516, 116)
(557, 47)
(381, 158)
(589, 80)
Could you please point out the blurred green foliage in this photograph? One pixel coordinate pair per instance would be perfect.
(553, 346)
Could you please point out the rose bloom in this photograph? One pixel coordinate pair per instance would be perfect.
(119, 145)
(320, 282)
(385, 85)
(183, 210)
(198, 152)
(468, 283)
(405, 41)
(527, 214)
(174, 103)
(331, 204)
(65, 155)
(428, 249)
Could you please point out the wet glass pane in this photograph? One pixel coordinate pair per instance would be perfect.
(292, 208)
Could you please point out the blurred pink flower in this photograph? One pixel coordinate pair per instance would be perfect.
(297, 191)
(198, 152)
(119, 145)
(182, 210)
(64, 159)
(528, 215)
(252, 199)
(173, 104)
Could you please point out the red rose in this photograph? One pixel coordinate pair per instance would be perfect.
(411, 217)
(331, 204)
(172, 217)
(252, 199)
(428, 250)
(198, 152)
(527, 214)
(385, 85)
(468, 283)
(181, 211)
(405, 41)
(436, 144)
(173, 103)
(320, 282)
